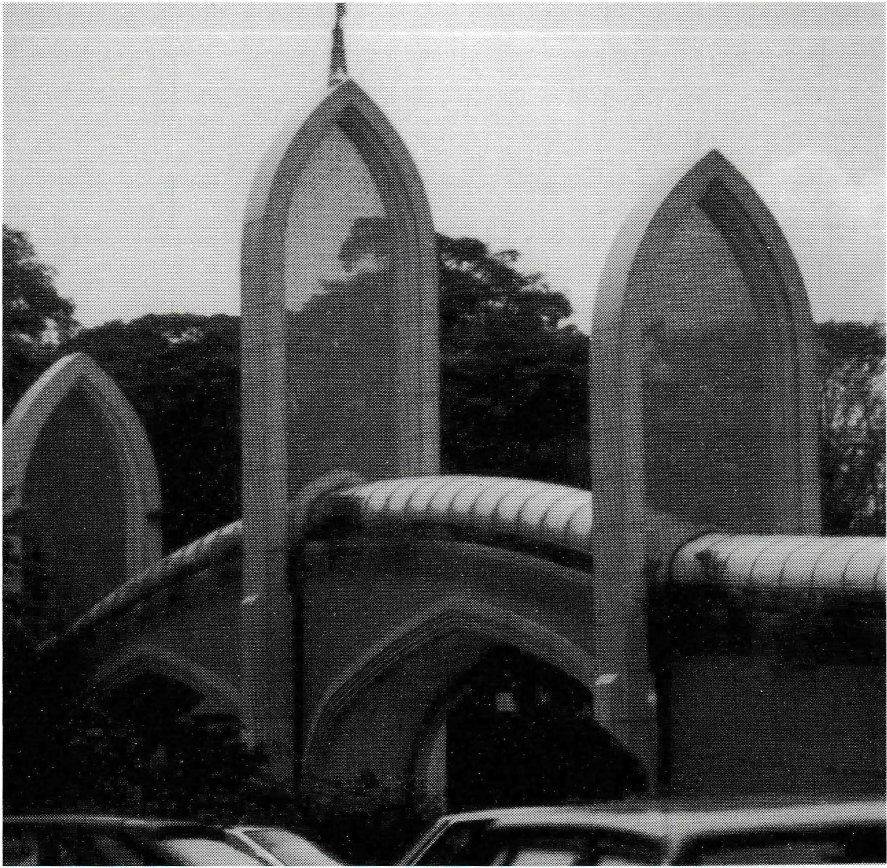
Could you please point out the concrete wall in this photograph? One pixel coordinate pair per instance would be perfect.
(190, 633)
(762, 725)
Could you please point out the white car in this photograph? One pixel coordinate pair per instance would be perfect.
(848, 832)
(272, 845)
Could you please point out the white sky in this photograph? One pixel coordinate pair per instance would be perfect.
(132, 132)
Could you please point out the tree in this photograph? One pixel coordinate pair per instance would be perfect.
(181, 372)
(36, 320)
(514, 377)
(852, 427)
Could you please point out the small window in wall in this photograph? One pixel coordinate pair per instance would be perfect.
(506, 702)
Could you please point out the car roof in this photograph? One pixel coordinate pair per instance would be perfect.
(248, 827)
(661, 821)
(152, 825)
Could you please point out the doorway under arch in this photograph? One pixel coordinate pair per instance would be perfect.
(516, 730)
(401, 727)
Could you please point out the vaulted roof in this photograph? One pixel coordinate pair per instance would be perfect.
(504, 511)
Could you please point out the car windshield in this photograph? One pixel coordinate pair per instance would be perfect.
(477, 844)
(201, 851)
(289, 848)
(853, 845)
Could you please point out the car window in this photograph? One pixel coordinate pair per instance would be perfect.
(462, 844)
(289, 848)
(201, 851)
(545, 855)
(864, 844)
(582, 848)
(545, 849)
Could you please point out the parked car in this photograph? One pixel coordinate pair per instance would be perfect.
(851, 832)
(276, 846)
(77, 839)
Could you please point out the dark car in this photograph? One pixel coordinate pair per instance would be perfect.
(77, 839)
(840, 832)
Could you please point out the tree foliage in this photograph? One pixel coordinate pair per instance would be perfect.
(35, 318)
(851, 440)
(514, 377)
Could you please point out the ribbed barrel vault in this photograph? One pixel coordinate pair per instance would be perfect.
(556, 515)
(847, 566)
(502, 510)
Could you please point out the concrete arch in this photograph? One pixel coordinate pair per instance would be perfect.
(457, 614)
(752, 233)
(219, 694)
(703, 404)
(78, 373)
(263, 269)
(396, 343)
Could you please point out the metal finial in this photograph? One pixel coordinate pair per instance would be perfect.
(338, 64)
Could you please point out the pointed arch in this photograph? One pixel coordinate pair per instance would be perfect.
(263, 278)
(702, 398)
(150, 658)
(310, 407)
(78, 374)
(716, 188)
(457, 614)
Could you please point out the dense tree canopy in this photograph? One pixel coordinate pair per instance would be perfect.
(514, 378)
(35, 318)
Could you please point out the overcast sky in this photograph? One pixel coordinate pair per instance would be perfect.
(132, 132)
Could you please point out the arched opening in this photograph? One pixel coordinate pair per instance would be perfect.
(703, 337)
(466, 706)
(515, 730)
(340, 264)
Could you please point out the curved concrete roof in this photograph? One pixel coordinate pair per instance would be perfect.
(849, 566)
(556, 515)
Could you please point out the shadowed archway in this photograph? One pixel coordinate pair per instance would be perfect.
(515, 730)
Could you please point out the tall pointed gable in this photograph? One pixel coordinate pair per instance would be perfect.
(81, 492)
(278, 231)
(340, 339)
(701, 287)
(702, 402)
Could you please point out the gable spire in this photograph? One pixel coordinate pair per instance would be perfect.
(338, 64)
